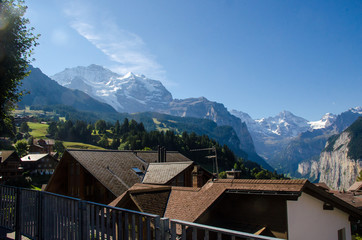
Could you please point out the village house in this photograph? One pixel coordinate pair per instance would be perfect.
(39, 163)
(287, 209)
(10, 165)
(42, 146)
(103, 175)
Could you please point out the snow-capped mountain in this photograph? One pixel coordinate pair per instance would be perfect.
(128, 93)
(283, 139)
(285, 124)
(326, 121)
(357, 110)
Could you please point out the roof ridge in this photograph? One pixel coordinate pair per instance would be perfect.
(160, 163)
(264, 181)
(112, 150)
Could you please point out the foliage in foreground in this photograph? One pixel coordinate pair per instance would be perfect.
(16, 45)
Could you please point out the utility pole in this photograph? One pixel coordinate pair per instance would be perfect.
(209, 157)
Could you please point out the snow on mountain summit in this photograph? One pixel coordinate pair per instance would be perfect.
(324, 122)
(130, 92)
(356, 110)
(284, 124)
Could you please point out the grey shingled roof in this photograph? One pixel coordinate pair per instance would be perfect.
(112, 168)
(152, 156)
(161, 173)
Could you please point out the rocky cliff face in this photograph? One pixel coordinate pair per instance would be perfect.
(217, 112)
(334, 167)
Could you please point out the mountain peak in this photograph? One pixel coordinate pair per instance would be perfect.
(96, 67)
(356, 110)
(130, 92)
(286, 114)
(129, 75)
(324, 122)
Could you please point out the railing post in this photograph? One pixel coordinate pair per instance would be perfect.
(17, 214)
(165, 229)
(82, 214)
(157, 228)
(40, 215)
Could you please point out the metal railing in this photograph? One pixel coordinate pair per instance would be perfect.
(187, 230)
(44, 215)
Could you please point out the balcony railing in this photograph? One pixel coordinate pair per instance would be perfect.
(44, 215)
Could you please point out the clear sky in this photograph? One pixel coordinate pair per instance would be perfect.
(259, 57)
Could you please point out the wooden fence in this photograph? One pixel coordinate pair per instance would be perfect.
(44, 215)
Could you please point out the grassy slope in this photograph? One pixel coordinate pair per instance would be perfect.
(38, 130)
(79, 145)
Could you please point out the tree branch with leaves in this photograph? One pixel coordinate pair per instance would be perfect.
(17, 43)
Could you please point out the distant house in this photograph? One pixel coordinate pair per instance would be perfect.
(10, 165)
(42, 146)
(352, 196)
(39, 163)
(356, 188)
(103, 175)
(288, 209)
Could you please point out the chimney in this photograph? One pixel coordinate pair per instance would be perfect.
(164, 154)
(159, 153)
(196, 177)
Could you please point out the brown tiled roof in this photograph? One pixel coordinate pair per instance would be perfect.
(112, 168)
(349, 197)
(189, 204)
(194, 203)
(151, 202)
(4, 154)
(323, 186)
(162, 173)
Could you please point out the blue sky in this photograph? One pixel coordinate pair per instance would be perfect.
(259, 57)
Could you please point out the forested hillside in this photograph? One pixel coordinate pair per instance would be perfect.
(131, 135)
(157, 121)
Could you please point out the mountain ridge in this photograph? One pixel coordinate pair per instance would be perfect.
(128, 90)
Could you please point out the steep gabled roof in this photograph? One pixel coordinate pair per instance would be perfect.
(5, 154)
(111, 168)
(162, 173)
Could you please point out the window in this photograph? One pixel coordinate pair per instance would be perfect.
(137, 170)
(342, 234)
(181, 180)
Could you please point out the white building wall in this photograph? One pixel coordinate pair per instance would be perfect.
(308, 220)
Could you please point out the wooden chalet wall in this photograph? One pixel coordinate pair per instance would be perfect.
(236, 211)
(9, 167)
(72, 179)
